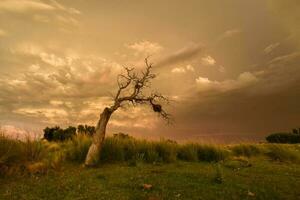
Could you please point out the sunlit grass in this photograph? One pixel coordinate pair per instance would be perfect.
(16, 154)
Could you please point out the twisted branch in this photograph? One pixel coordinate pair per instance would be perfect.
(131, 80)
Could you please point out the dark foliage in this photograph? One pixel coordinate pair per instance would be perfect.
(58, 134)
(87, 130)
(296, 131)
(287, 138)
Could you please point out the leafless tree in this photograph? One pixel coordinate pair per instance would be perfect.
(132, 87)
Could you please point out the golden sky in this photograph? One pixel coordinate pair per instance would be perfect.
(231, 67)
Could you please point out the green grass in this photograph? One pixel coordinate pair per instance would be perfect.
(43, 170)
(179, 180)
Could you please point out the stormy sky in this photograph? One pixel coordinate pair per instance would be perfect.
(231, 68)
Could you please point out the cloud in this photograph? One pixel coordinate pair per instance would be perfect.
(229, 33)
(271, 47)
(40, 112)
(137, 117)
(52, 59)
(181, 70)
(178, 70)
(39, 11)
(29, 49)
(287, 12)
(190, 68)
(21, 6)
(221, 69)
(18, 133)
(56, 103)
(181, 55)
(145, 47)
(45, 91)
(34, 68)
(244, 79)
(64, 8)
(3, 33)
(208, 60)
(285, 58)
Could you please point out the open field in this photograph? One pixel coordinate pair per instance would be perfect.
(180, 180)
(43, 170)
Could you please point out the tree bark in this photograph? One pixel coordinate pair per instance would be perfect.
(93, 155)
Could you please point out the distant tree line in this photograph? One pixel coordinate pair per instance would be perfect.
(59, 134)
(292, 137)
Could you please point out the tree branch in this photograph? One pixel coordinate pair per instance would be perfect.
(131, 80)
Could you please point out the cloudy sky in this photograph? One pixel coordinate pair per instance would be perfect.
(232, 68)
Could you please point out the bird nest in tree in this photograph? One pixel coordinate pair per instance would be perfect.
(156, 108)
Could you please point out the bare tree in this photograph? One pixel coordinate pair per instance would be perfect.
(132, 87)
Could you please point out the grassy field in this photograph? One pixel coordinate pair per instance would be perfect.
(260, 179)
(134, 169)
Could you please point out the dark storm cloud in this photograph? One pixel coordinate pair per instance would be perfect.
(270, 104)
(181, 55)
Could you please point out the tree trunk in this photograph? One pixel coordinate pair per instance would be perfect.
(93, 155)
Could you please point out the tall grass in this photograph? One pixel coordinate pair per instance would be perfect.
(125, 149)
(117, 149)
(16, 154)
(212, 153)
(188, 152)
(36, 154)
(10, 151)
(15, 151)
(77, 148)
(283, 153)
(247, 150)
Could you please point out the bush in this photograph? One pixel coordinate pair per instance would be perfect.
(283, 153)
(58, 134)
(85, 129)
(287, 138)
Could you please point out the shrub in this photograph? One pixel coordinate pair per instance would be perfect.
(247, 150)
(288, 138)
(188, 152)
(58, 134)
(85, 129)
(211, 153)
